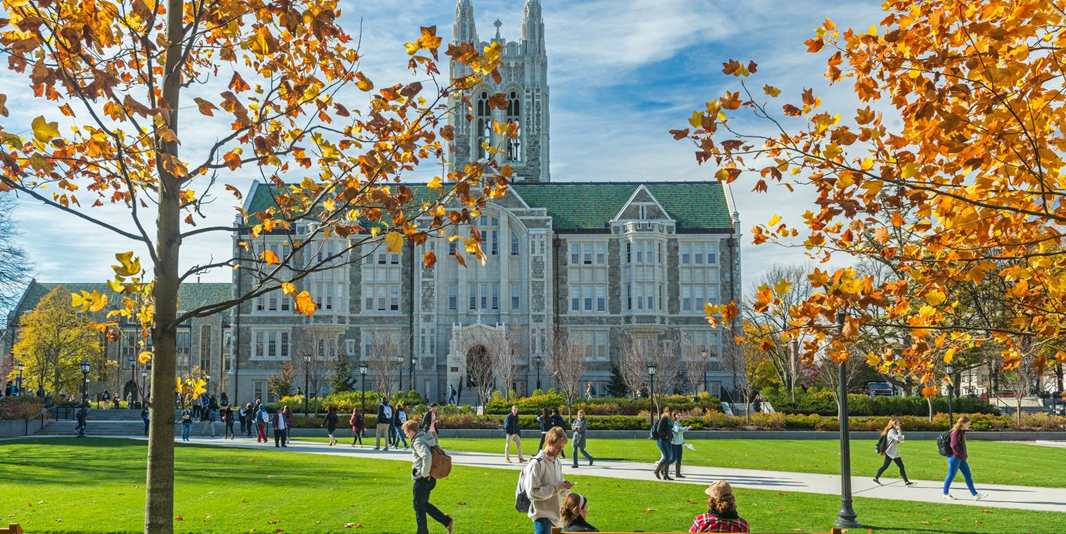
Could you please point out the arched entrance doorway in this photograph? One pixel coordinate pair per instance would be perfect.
(477, 360)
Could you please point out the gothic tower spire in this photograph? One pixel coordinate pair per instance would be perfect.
(464, 29)
(533, 29)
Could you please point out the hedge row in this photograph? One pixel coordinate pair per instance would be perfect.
(822, 402)
(600, 406)
(20, 407)
(347, 401)
(720, 421)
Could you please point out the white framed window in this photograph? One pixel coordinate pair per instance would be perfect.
(349, 347)
(514, 244)
(473, 297)
(514, 297)
(575, 254)
(601, 254)
(587, 260)
(686, 253)
(495, 296)
(270, 344)
(712, 253)
(601, 298)
(453, 297)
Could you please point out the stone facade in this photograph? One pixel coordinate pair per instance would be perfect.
(604, 260)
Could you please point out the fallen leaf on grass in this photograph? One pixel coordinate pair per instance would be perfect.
(690, 501)
(274, 522)
(649, 510)
(318, 522)
(348, 525)
(59, 520)
(277, 530)
(179, 518)
(461, 503)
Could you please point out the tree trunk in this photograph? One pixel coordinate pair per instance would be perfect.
(159, 501)
(929, 402)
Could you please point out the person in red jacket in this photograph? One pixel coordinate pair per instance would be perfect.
(957, 460)
(283, 421)
(358, 424)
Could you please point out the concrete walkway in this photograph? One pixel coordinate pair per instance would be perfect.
(999, 496)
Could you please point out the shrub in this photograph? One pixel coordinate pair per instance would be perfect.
(600, 406)
(20, 407)
(346, 401)
(822, 402)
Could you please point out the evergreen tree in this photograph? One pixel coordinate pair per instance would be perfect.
(341, 380)
(617, 387)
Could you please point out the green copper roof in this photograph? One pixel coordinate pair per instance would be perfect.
(190, 295)
(592, 205)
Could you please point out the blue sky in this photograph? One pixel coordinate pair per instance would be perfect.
(621, 72)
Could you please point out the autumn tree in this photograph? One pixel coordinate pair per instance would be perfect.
(696, 360)
(314, 351)
(772, 328)
(639, 353)
(280, 85)
(960, 129)
(512, 349)
(281, 382)
(54, 338)
(566, 361)
(385, 361)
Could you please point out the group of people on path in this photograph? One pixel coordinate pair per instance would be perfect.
(953, 446)
(669, 435)
(208, 409)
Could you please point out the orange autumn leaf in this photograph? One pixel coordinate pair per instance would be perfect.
(305, 304)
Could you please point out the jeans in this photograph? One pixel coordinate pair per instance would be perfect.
(229, 429)
(954, 466)
(583, 453)
(888, 461)
(281, 437)
(676, 452)
(542, 526)
(664, 449)
(422, 505)
(186, 429)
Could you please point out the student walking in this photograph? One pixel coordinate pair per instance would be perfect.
(399, 417)
(451, 394)
(282, 420)
(422, 444)
(186, 424)
(545, 485)
(545, 424)
(242, 417)
(677, 445)
(893, 436)
(384, 426)
(579, 427)
(429, 421)
(227, 420)
(209, 415)
(663, 432)
(358, 424)
(331, 424)
(575, 514)
(261, 418)
(513, 433)
(144, 417)
(957, 461)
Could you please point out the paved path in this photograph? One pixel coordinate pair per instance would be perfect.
(999, 496)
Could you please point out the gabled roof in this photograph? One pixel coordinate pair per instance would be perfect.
(190, 295)
(591, 206)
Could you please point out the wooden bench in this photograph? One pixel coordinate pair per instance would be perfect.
(12, 528)
(557, 530)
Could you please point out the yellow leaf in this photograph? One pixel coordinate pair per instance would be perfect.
(909, 170)
(288, 288)
(394, 242)
(305, 304)
(269, 257)
(872, 360)
(43, 130)
(782, 287)
(434, 183)
(144, 357)
(950, 355)
(774, 220)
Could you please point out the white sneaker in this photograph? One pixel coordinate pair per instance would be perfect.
(980, 496)
(949, 497)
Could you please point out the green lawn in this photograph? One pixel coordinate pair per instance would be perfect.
(97, 485)
(991, 462)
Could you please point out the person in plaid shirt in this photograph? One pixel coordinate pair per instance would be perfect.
(721, 513)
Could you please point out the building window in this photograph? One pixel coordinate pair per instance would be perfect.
(629, 296)
(640, 252)
(349, 347)
(697, 253)
(394, 301)
(453, 297)
(205, 347)
(514, 244)
(484, 125)
(495, 242)
(575, 254)
(588, 298)
(495, 296)
(588, 254)
(473, 297)
(601, 254)
(484, 296)
(601, 298)
(686, 253)
(643, 212)
(514, 108)
(575, 299)
(711, 254)
(629, 252)
(514, 297)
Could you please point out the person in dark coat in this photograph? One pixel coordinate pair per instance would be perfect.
(358, 423)
(227, 419)
(575, 514)
(557, 421)
(545, 423)
(513, 433)
(664, 434)
(580, 426)
(429, 421)
(331, 424)
(81, 416)
(144, 417)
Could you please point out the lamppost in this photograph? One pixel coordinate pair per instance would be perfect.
(362, 386)
(18, 378)
(704, 354)
(651, 373)
(307, 377)
(414, 362)
(948, 368)
(538, 360)
(84, 382)
(846, 516)
(144, 385)
(133, 380)
(400, 372)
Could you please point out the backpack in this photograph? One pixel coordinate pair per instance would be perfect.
(882, 445)
(654, 432)
(943, 444)
(522, 502)
(441, 465)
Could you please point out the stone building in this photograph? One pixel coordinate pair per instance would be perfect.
(202, 342)
(598, 259)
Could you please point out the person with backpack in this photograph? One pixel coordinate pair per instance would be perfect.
(887, 446)
(399, 417)
(261, 418)
(331, 424)
(429, 421)
(541, 487)
(513, 433)
(557, 421)
(384, 426)
(957, 459)
(580, 425)
(227, 418)
(663, 432)
(423, 448)
(358, 424)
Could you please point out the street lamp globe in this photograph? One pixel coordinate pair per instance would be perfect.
(362, 369)
(651, 369)
(84, 367)
(144, 376)
(949, 369)
(307, 359)
(20, 366)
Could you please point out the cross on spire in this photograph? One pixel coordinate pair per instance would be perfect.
(497, 24)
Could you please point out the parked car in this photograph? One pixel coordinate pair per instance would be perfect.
(880, 389)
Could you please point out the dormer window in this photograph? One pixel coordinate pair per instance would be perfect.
(643, 212)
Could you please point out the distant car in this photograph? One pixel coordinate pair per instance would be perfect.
(880, 389)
